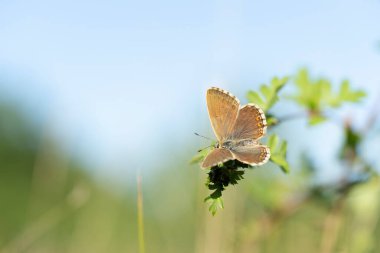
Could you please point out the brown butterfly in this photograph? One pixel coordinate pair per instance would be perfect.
(237, 130)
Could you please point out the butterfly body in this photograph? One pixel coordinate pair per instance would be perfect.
(235, 144)
(237, 129)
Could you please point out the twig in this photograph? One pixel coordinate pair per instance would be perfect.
(289, 117)
(292, 116)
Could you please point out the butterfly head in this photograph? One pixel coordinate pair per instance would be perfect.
(224, 144)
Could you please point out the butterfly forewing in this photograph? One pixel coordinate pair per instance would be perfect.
(250, 123)
(216, 156)
(223, 110)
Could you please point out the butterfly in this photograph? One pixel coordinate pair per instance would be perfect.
(237, 130)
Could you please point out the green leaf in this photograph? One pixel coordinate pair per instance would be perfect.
(271, 120)
(302, 79)
(216, 194)
(266, 91)
(254, 97)
(346, 94)
(198, 158)
(268, 95)
(272, 142)
(214, 204)
(352, 140)
(278, 152)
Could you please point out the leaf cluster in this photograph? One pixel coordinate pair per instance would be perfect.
(267, 97)
(219, 177)
(316, 95)
(278, 152)
(268, 94)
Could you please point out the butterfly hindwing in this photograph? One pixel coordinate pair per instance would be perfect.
(223, 110)
(253, 155)
(218, 155)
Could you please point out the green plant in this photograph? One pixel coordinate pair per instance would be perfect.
(315, 96)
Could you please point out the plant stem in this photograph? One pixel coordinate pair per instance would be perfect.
(293, 116)
(332, 227)
(140, 216)
(289, 117)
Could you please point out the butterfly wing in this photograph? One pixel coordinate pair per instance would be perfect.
(218, 155)
(250, 123)
(223, 110)
(253, 154)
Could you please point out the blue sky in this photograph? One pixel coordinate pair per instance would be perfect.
(118, 81)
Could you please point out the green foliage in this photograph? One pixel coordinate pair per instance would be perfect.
(364, 204)
(223, 175)
(219, 177)
(214, 204)
(347, 95)
(352, 139)
(200, 156)
(268, 95)
(51, 204)
(314, 95)
(317, 95)
(278, 152)
(271, 120)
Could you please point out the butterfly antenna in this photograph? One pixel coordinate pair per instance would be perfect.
(202, 136)
(200, 150)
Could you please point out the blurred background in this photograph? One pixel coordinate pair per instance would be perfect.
(94, 93)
